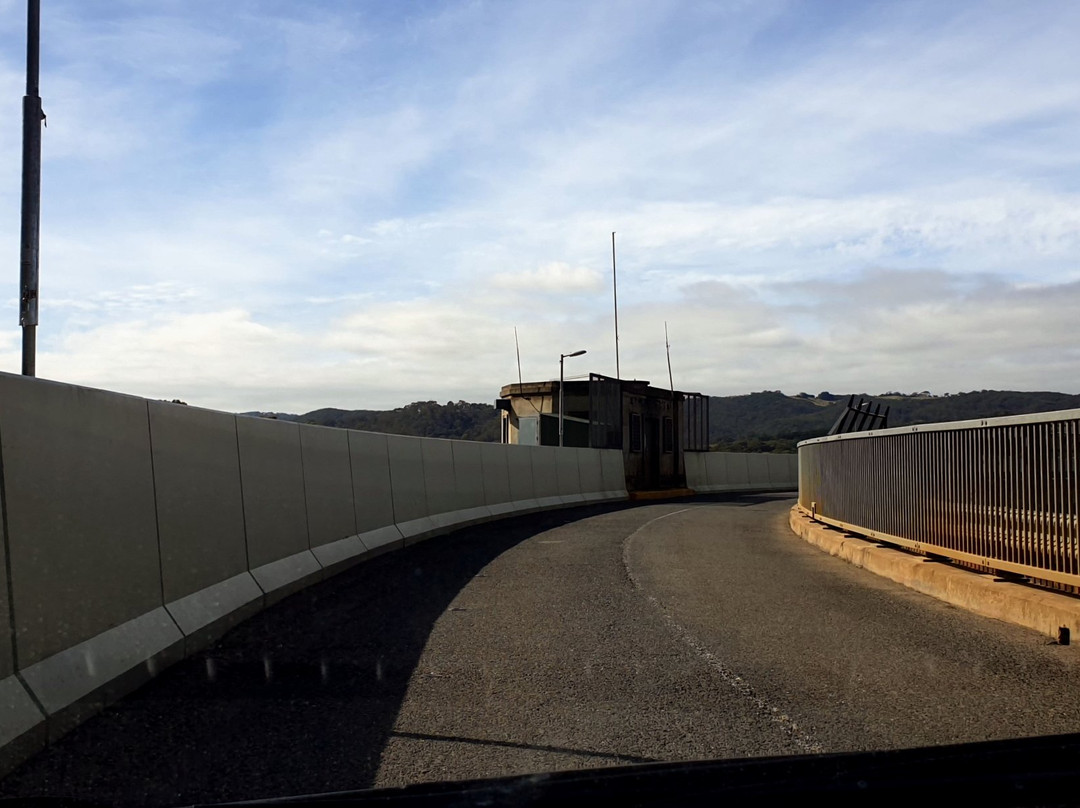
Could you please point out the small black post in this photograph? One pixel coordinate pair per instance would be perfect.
(31, 193)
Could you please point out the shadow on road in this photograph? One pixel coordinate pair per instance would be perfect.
(562, 750)
(300, 699)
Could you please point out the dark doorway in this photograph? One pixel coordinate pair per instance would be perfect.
(652, 453)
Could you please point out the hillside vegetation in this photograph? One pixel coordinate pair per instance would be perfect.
(768, 421)
(771, 421)
(426, 419)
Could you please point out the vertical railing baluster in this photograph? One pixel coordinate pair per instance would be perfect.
(1005, 492)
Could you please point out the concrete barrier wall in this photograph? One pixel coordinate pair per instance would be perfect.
(139, 531)
(614, 473)
(84, 567)
(275, 510)
(783, 468)
(519, 461)
(590, 476)
(328, 491)
(694, 463)
(719, 473)
(545, 475)
(79, 494)
(469, 484)
(496, 469)
(757, 468)
(328, 495)
(439, 484)
(568, 476)
(200, 520)
(736, 470)
(373, 499)
(7, 645)
(408, 487)
(709, 472)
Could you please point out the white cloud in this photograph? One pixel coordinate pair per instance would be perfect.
(359, 156)
(556, 277)
(883, 330)
(155, 48)
(256, 207)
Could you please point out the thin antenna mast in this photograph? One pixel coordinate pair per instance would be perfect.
(615, 291)
(518, 349)
(667, 346)
(676, 415)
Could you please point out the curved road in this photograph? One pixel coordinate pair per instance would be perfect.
(582, 638)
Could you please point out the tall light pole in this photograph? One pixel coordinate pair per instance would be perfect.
(561, 358)
(31, 193)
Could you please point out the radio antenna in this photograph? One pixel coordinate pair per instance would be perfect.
(615, 291)
(667, 346)
(518, 349)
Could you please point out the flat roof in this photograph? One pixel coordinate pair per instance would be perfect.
(633, 386)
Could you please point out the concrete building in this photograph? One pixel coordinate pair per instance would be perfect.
(652, 426)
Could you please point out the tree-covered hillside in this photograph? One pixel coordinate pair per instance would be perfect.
(427, 419)
(768, 421)
(772, 421)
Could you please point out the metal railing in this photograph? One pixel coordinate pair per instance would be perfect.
(999, 493)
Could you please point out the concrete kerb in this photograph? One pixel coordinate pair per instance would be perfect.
(339, 554)
(22, 726)
(283, 577)
(984, 594)
(80, 681)
(206, 615)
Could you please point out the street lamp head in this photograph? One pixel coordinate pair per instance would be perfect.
(563, 356)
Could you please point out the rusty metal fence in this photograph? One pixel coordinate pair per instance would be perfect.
(999, 493)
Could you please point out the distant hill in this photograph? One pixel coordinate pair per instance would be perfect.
(768, 421)
(426, 419)
(772, 421)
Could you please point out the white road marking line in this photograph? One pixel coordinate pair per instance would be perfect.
(799, 736)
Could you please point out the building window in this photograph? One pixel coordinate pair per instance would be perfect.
(668, 438)
(635, 432)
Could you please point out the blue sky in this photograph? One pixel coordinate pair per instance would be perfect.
(282, 206)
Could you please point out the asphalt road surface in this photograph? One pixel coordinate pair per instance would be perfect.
(588, 637)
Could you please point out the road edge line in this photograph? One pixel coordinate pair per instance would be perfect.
(799, 736)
